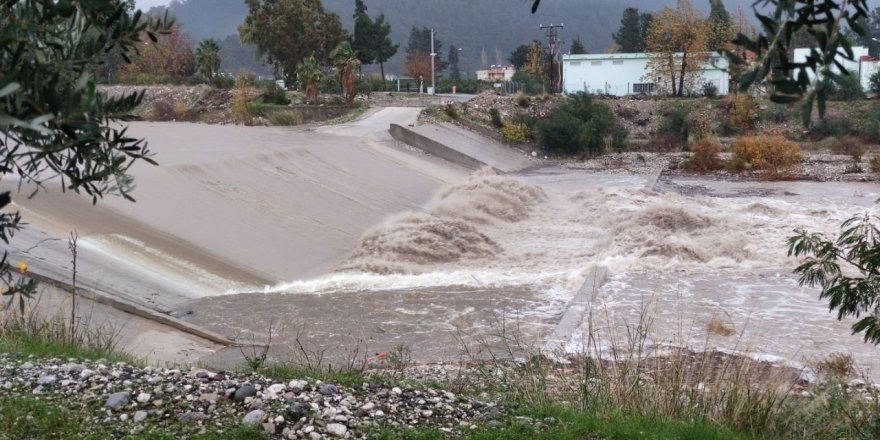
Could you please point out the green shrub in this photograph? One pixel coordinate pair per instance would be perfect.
(222, 81)
(674, 120)
(515, 133)
(832, 126)
(578, 125)
(527, 83)
(875, 164)
(245, 78)
(272, 94)
(286, 118)
(522, 100)
(844, 88)
(874, 83)
(525, 119)
(451, 111)
(495, 115)
(710, 90)
(619, 138)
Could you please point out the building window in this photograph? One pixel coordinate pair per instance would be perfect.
(596, 63)
(617, 62)
(575, 63)
(647, 88)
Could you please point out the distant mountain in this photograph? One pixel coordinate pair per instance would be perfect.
(473, 25)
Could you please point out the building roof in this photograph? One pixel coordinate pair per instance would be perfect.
(618, 56)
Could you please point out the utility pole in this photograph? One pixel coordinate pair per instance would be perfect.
(552, 51)
(433, 54)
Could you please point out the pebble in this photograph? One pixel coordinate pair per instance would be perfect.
(144, 397)
(337, 429)
(117, 401)
(48, 379)
(245, 391)
(253, 417)
(140, 416)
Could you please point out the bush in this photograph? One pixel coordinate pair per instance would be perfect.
(710, 90)
(674, 121)
(619, 138)
(245, 78)
(579, 125)
(777, 113)
(182, 112)
(849, 146)
(874, 83)
(743, 111)
(286, 118)
(222, 81)
(699, 125)
(525, 119)
(522, 100)
(775, 155)
(272, 94)
(832, 125)
(242, 110)
(705, 156)
(528, 84)
(515, 133)
(875, 164)
(451, 111)
(495, 115)
(162, 111)
(844, 88)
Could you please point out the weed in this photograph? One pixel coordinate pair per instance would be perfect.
(837, 364)
(875, 164)
(522, 100)
(515, 133)
(774, 154)
(286, 118)
(162, 111)
(716, 326)
(704, 157)
(850, 146)
(495, 115)
(451, 111)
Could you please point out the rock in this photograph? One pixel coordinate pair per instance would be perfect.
(140, 416)
(26, 366)
(144, 397)
(245, 391)
(192, 416)
(86, 373)
(368, 406)
(327, 389)
(208, 397)
(337, 430)
(48, 379)
(297, 410)
(253, 417)
(397, 391)
(269, 427)
(315, 436)
(297, 386)
(117, 401)
(275, 389)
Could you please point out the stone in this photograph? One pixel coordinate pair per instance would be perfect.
(314, 436)
(269, 427)
(243, 392)
(297, 410)
(192, 416)
(140, 416)
(48, 379)
(397, 391)
(253, 417)
(326, 389)
(208, 397)
(117, 401)
(337, 430)
(26, 366)
(368, 406)
(144, 397)
(275, 389)
(297, 386)
(86, 373)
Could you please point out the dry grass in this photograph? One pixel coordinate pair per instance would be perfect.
(774, 154)
(837, 364)
(716, 326)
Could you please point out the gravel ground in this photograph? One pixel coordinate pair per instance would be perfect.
(126, 399)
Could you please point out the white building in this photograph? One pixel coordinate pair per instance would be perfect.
(496, 74)
(622, 74)
(862, 64)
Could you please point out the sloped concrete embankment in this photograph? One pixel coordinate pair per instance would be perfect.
(434, 148)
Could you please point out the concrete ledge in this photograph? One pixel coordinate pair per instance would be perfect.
(433, 147)
(652, 180)
(577, 310)
(137, 310)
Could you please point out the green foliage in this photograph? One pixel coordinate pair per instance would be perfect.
(222, 81)
(269, 24)
(875, 83)
(832, 265)
(629, 36)
(519, 55)
(208, 58)
(780, 21)
(577, 47)
(495, 116)
(515, 133)
(451, 111)
(844, 88)
(371, 38)
(710, 90)
(53, 121)
(286, 118)
(273, 94)
(579, 125)
(527, 83)
(346, 62)
(720, 25)
(309, 76)
(675, 119)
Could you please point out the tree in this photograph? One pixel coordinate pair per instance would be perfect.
(519, 55)
(535, 65)
(452, 60)
(874, 82)
(208, 58)
(54, 124)
(419, 46)
(484, 59)
(418, 65)
(383, 47)
(287, 31)
(346, 62)
(721, 27)
(847, 270)
(171, 55)
(362, 40)
(577, 48)
(628, 36)
(309, 75)
(645, 21)
(871, 26)
(677, 41)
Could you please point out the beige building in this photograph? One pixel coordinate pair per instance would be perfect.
(496, 74)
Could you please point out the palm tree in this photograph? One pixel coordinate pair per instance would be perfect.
(309, 74)
(347, 64)
(208, 58)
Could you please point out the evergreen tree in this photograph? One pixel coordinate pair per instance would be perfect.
(362, 38)
(452, 59)
(577, 48)
(484, 59)
(519, 55)
(645, 27)
(721, 26)
(418, 48)
(629, 36)
(383, 47)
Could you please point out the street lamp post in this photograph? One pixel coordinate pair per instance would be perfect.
(433, 54)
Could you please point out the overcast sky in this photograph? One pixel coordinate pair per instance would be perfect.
(147, 4)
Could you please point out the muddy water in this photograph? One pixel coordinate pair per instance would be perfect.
(517, 248)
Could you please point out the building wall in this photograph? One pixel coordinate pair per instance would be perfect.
(621, 74)
(868, 68)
